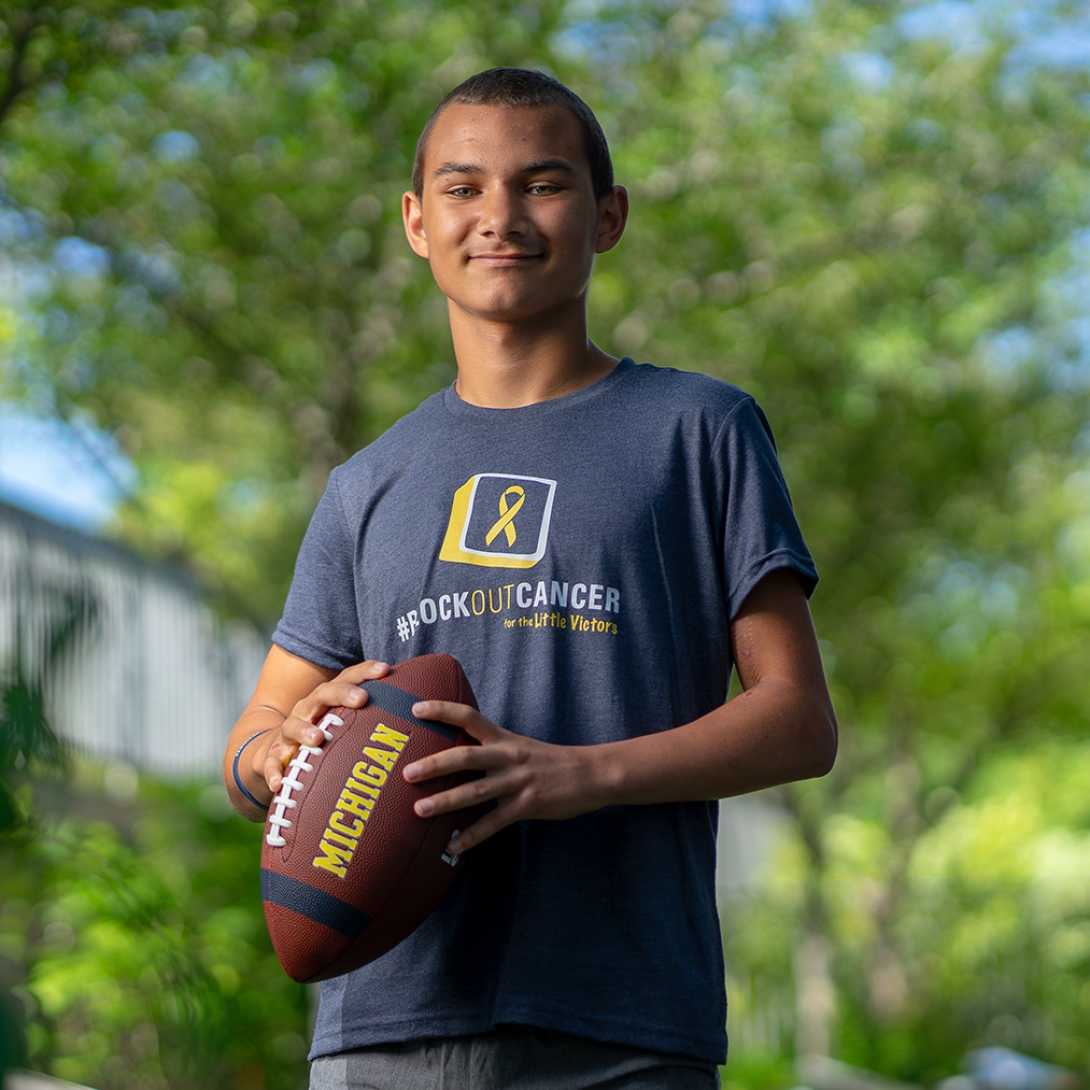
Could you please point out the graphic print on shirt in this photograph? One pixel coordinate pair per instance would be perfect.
(502, 520)
(499, 521)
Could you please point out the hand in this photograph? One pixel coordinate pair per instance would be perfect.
(299, 726)
(527, 778)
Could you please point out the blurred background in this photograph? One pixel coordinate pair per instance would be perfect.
(872, 215)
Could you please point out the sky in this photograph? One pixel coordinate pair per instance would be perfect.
(75, 475)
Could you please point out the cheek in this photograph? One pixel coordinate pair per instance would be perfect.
(589, 229)
(444, 235)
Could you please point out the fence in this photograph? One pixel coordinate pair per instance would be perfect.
(138, 668)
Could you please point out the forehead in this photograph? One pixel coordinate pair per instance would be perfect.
(504, 138)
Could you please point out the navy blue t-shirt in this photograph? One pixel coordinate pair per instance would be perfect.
(583, 558)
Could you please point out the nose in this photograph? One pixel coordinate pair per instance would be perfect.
(501, 214)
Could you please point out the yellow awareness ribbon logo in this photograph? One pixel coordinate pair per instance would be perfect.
(506, 521)
(467, 541)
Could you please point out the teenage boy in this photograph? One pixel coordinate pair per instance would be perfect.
(597, 542)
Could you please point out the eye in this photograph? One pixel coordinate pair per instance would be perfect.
(461, 191)
(543, 188)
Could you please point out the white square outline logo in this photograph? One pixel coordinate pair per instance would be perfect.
(462, 511)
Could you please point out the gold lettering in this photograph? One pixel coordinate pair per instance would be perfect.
(362, 789)
(352, 804)
(336, 823)
(368, 773)
(337, 838)
(333, 859)
(381, 757)
(393, 738)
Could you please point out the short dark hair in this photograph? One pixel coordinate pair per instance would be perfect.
(521, 87)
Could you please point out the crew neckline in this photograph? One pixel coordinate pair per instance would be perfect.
(458, 407)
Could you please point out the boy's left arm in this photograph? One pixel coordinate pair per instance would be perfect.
(780, 728)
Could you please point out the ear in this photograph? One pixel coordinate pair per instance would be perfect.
(612, 216)
(412, 214)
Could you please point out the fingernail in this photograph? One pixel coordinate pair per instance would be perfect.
(314, 736)
(411, 773)
(454, 847)
(356, 694)
(419, 710)
(425, 807)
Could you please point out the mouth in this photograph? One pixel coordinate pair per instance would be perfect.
(506, 259)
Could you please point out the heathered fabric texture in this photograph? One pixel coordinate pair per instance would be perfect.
(510, 1058)
(582, 558)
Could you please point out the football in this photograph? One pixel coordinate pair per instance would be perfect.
(347, 869)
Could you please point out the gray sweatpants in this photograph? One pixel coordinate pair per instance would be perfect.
(510, 1058)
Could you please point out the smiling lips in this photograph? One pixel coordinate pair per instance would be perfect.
(506, 257)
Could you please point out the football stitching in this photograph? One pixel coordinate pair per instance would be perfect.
(297, 764)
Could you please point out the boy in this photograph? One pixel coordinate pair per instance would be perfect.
(597, 542)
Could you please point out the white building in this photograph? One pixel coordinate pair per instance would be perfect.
(151, 676)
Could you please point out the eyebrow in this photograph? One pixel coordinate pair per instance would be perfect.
(549, 164)
(456, 168)
(530, 168)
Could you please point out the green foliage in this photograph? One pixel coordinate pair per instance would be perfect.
(27, 739)
(992, 939)
(876, 234)
(238, 170)
(149, 963)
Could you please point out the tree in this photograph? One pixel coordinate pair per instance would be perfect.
(223, 183)
(886, 272)
(29, 745)
(874, 232)
(142, 955)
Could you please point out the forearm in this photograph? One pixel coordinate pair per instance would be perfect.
(774, 733)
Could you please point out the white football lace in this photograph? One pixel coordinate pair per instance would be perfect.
(291, 782)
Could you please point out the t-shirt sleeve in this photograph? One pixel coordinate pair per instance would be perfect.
(320, 621)
(760, 531)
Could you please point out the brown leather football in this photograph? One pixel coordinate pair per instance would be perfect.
(347, 869)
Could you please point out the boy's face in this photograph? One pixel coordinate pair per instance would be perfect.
(507, 217)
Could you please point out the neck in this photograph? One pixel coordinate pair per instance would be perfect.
(507, 365)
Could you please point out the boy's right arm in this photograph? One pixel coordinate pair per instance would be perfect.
(291, 696)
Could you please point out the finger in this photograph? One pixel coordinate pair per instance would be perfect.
(276, 760)
(293, 734)
(473, 792)
(342, 691)
(311, 730)
(482, 829)
(371, 670)
(457, 759)
(460, 715)
(301, 724)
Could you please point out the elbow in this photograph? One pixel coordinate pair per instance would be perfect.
(822, 740)
(813, 733)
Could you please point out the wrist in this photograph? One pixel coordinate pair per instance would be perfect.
(605, 777)
(254, 793)
(637, 771)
